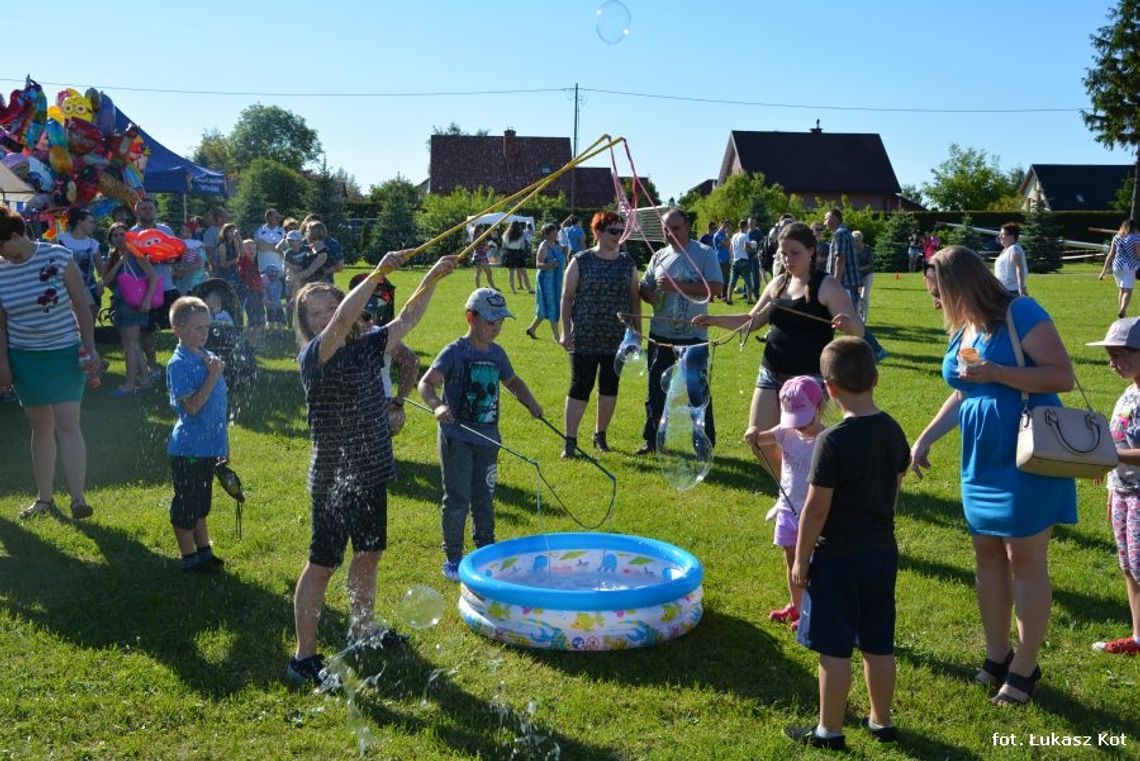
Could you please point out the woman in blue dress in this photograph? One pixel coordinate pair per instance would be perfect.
(550, 261)
(1010, 514)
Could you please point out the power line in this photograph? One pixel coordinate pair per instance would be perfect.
(530, 91)
(247, 94)
(876, 109)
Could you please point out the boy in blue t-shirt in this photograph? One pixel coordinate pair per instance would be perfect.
(198, 394)
(470, 370)
(846, 555)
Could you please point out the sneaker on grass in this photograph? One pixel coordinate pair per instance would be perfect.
(450, 570)
(309, 672)
(1122, 646)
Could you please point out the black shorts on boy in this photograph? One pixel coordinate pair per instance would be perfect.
(341, 514)
(193, 479)
(850, 603)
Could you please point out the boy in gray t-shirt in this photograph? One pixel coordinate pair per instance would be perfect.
(470, 370)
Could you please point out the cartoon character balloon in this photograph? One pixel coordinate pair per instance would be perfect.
(155, 245)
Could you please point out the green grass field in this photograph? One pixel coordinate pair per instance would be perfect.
(107, 651)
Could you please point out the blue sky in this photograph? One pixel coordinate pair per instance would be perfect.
(888, 54)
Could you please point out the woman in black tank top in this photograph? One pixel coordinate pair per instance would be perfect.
(794, 342)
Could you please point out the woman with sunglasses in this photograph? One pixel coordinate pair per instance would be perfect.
(600, 282)
(130, 320)
(1009, 513)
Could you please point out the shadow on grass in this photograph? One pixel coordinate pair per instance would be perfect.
(136, 599)
(1049, 697)
(723, 652)
(404, 681)
(1080, 606)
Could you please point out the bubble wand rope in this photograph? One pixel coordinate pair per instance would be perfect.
(537, 470)
(633, 224)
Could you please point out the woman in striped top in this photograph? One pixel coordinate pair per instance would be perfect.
(1122, 258)
(43, 317)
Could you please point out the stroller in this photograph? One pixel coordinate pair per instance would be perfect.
(227, 338)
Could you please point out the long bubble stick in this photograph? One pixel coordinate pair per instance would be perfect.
(525, 193)
(537, 188)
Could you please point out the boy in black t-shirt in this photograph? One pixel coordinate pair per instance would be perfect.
(846, 554)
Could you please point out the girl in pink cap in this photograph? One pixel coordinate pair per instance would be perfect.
(801, 400)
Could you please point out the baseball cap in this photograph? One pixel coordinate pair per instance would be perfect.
(294, 235)
(373, 306)
(488, 304)
(1124, 333)
(800, 399)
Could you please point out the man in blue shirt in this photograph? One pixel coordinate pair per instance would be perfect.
(721, 241)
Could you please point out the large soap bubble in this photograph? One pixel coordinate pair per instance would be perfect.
(684, 452)
(613, 21)
(630, 354)
(421, 607)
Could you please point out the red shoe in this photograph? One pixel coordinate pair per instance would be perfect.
(1122, 646)
(787, 614)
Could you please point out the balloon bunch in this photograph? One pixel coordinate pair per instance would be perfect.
(71, 152)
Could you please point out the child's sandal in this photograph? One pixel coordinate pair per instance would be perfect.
(993, 672)
(1026, 684)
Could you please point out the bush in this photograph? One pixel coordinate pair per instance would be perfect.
(891, 245)
(1040, 239)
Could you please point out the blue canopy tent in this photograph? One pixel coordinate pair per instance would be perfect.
(167, 172)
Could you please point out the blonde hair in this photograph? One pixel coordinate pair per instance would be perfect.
(969, 292)
(186, 307)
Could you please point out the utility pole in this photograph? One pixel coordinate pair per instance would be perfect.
(574, 151)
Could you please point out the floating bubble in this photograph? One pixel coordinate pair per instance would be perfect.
(421, 607)
(612, 21)
(630, 354)
(684, 452)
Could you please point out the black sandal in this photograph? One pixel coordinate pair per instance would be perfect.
(1018, 682)
(994, 672)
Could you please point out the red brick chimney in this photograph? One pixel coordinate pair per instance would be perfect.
(508, 145)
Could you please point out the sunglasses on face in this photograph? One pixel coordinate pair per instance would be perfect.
(615, 230)
(367, 316)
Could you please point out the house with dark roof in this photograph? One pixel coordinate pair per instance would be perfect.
(1073, 187)
(817, 164)
(508, 163)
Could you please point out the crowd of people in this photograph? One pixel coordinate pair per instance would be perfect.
(835, 511)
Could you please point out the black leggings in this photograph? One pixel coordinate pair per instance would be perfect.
(584, 368)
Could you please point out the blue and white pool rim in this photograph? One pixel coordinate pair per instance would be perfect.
(581, 591)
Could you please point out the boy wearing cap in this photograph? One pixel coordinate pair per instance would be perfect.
(1123, 345)
(470, 370)
(846, 547)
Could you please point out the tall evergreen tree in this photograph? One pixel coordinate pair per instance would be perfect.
(1113, 85)
(1041, 239)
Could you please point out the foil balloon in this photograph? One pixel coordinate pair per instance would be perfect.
(55, 114)
(155, 245)
(32, 126)
(75, 106)
(684, 452)
(113, 187)
(83, 137)
(105, 115)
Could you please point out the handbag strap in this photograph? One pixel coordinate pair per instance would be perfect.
(1015, 340)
